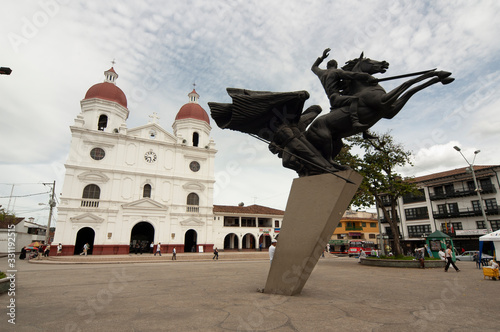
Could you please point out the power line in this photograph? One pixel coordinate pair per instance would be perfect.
(28, 195)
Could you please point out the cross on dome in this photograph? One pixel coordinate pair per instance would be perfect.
(154, 118)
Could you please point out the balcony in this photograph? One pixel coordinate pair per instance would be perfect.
(418, 216)
(91, 203)
(351, 228)
(413, 199)
(192, 208)
(464, 213)
(383, 219)
(485, 189)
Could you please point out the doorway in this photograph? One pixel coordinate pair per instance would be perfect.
(143, 233)
(84, 235)
(190, 239)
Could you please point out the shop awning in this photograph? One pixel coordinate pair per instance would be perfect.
(338, 242)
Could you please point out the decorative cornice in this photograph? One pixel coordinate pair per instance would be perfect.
(93, 176)
(194, 186)
(87, 218)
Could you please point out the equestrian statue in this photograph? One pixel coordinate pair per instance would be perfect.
(305, 141)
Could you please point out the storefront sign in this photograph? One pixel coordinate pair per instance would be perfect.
(265, 230)
(471, 232)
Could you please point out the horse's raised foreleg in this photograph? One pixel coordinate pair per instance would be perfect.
(394, 94)
(398, 105)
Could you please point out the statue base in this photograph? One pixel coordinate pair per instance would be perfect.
(314, 208)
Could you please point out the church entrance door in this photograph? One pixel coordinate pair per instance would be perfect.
(190, 241)
(142, 234)
(84, 235)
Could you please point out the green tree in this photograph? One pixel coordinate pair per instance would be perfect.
(4, 216)
(381, 183)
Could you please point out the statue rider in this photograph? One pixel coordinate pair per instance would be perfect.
(332, 79)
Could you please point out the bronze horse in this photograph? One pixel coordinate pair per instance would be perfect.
(327, 131)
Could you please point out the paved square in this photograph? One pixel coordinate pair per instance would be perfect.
(341, 295)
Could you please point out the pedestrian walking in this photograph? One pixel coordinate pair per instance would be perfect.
(158, 249)
(46, 252)
(59, 249)
(272, 249)
(85, 249)
(40, 252)
(449, 259)
(174, 254)
(216, 254)
(151, 247)
(419, 255)
(23, 253)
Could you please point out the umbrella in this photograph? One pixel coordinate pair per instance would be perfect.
(34, 244)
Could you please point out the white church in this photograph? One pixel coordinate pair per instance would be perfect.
(126, 187)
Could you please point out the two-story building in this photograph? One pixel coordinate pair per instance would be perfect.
(354, 225)
(450, 202)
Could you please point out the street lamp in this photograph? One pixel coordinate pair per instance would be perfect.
(478, 191)
(5, 71)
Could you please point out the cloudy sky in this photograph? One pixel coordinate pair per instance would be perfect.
(58, 49)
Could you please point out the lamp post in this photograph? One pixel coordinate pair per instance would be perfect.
(478, 191)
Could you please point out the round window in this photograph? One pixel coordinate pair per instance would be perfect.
(194, 166)
(97, 153)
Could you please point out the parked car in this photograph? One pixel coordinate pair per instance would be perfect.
(469, 256)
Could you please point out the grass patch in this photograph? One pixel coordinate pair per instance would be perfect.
(2, 275)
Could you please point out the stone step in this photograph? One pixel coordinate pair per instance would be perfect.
(149, 258)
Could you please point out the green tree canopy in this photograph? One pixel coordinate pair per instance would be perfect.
(377, 161)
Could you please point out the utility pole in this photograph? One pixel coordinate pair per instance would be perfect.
(52, 203)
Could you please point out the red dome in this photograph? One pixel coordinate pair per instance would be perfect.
(107, 91)
(192, 111)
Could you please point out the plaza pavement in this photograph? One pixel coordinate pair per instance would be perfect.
(204, 295)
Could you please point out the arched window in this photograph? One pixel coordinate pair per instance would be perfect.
(192, 203)
(103, 122)
(91, 194)
(196, 139)
(146, 192)
(91, 191)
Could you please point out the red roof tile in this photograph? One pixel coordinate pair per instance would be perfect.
(4, 224)
(251, 209)
(454, 172)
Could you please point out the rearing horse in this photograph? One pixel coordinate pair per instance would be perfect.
(374, 103)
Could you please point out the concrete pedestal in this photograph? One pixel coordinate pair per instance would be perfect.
(313, 211)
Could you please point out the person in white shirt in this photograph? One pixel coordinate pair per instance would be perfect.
(449, 259)
(272, 249)
(493, 264)
(442, 254)
(158, 249)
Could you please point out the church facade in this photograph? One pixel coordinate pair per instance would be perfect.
(125, 187)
